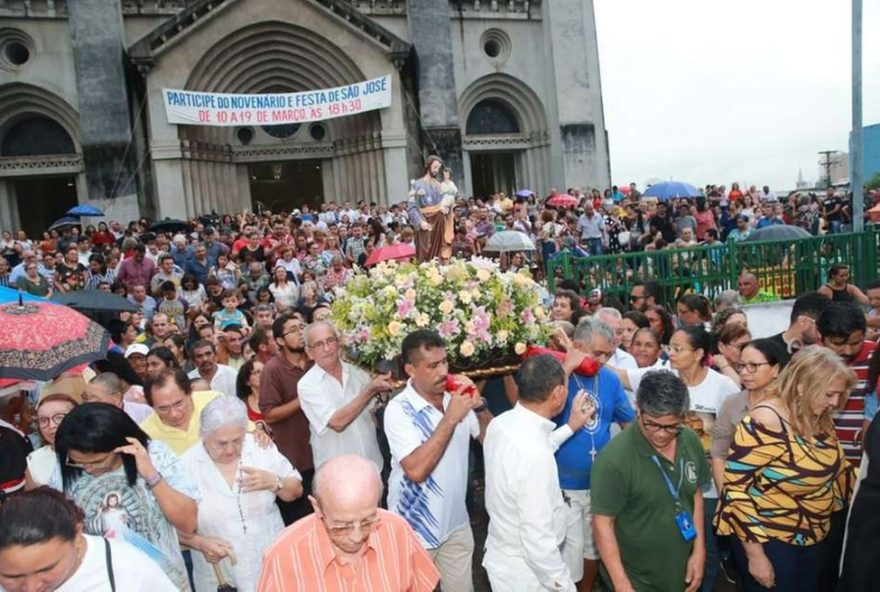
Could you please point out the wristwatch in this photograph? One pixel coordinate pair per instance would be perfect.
(278, 484)
(154, 480)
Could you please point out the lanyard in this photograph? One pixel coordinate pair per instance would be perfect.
(672, 492)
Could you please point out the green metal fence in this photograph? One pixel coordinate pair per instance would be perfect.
(786, 267)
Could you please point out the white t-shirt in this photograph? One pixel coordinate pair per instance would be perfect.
(436, 507)
(223, 381)
(132, 570)
(706, 399)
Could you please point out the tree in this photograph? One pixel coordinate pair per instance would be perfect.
(873, 182)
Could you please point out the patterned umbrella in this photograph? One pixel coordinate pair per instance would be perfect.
(562, 200)
(40, 340)
(398, 252)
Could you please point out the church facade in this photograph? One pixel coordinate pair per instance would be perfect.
(507, 92)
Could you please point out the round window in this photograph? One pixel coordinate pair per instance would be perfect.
(318, 132)
(245, 135)
(492, 48)
(16, 53)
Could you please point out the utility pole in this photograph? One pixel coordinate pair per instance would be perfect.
(855, 174)
(827, 164)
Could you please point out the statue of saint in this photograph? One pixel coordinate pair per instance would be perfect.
(430, 212)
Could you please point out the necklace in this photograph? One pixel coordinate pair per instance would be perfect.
(238, 497)
(592, 399)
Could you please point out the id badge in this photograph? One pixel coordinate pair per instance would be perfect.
(686, 525)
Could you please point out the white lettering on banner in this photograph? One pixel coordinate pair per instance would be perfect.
(223, 109)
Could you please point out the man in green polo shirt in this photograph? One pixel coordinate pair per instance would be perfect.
(646, 495)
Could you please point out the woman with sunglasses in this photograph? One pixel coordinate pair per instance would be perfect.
(129, 486)
(759, 364)
(786, 474)
(238, 482)
(42, 462)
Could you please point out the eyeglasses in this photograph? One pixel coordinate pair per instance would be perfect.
(104, 463)
(345, 529)
(166, 409)
(330, 341)
(44, 422)
(750, 367)
(677, 349)
(656, 427)
(634, 298)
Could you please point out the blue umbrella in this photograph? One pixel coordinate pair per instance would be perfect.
(524, 193)
(84, 210)
(671, 190)
(11, 295)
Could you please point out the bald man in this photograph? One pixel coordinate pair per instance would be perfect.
(750, 291)
(348, 540)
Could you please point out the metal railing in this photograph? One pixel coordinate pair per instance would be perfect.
(786, 268)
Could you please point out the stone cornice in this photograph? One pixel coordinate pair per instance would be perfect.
(56, 164)
(143, 52)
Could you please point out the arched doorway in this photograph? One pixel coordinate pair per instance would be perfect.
(284, 166)
(505, 139)
(42, 199)
(496, 170)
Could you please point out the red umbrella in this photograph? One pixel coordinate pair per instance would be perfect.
(562, 200)
(398, 252)
(39, 340)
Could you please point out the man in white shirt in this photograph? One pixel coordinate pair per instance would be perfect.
(614, 320)
(337, 398)
(527, 514)
(429, 432)
(219, 376)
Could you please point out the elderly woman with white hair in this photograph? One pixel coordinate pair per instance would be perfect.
(238, 482)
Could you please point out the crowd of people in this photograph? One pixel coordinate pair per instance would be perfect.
(228, 438)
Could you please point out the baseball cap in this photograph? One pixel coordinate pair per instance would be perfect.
(136, 348)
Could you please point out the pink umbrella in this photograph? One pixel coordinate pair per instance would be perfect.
(398, 252)
(562, 200)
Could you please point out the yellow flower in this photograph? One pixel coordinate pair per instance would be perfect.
(466, 349)
(410, 294)
(483, 275)
(540, 313)
(465, 297)
(475, 294)
(446, 306)
(390, 291)
(422, 320)
(520, 279)
(520, 348)
(502, 335)
(394, 328)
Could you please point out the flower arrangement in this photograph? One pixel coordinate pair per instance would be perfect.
(485, 315)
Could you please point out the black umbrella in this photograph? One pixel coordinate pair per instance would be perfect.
(64, 223)
(778, 232)
(94, 300)
(169, 225)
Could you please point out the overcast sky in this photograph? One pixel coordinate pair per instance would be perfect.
(714, 91)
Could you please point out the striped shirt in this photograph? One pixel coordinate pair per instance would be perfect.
(302, 559)
(848, 422)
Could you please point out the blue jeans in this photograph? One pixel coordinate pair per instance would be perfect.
(712, 557)
(835, 226)
(796, 568)
(594, 245)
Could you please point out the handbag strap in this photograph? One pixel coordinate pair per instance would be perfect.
(108, 558)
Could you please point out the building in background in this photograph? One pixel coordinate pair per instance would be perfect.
(507, 92)
(870, 150)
